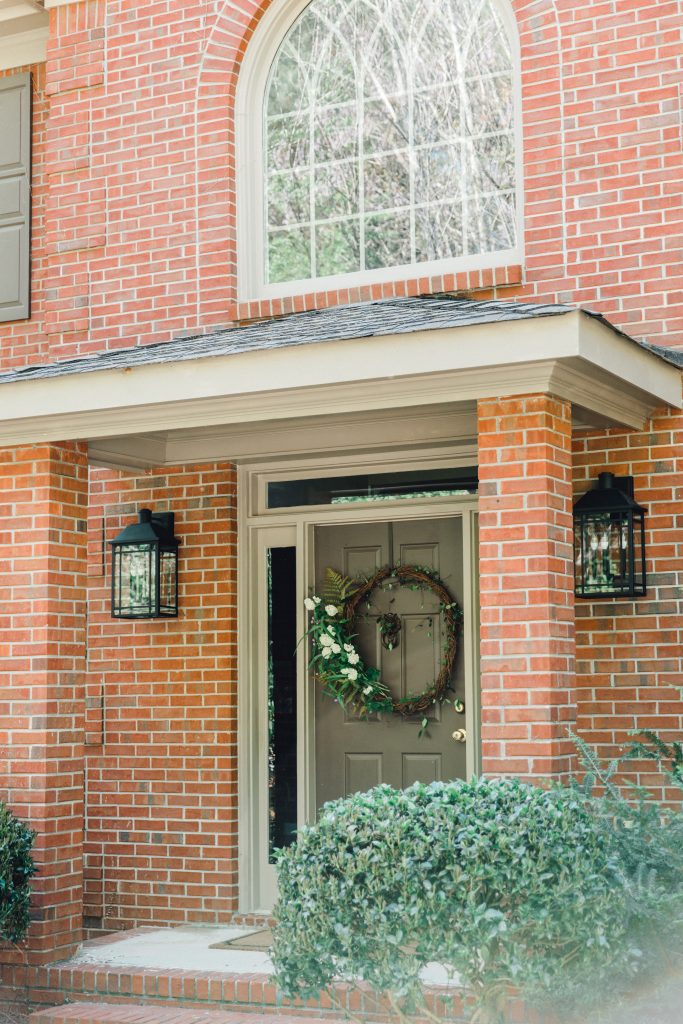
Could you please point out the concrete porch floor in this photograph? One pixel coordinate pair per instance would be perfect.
(188, 948)
(185, 948)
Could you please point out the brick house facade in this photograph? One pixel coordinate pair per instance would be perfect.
(121, 741)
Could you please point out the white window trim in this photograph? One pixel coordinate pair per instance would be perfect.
(249, 141)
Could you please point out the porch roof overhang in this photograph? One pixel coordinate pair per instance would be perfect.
(24, 29)
(249, 390)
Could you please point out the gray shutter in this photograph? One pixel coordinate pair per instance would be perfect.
(15, 197)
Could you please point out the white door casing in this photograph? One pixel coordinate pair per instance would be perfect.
(259, 529)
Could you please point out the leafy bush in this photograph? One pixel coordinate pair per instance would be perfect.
(502, 882)
(646, 837)
(651, 747)
(16, 870)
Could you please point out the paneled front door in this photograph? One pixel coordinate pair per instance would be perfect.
(351, 754)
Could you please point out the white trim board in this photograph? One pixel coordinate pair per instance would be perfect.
(386, 429)
(13, 9)
(20, 48)
(258, 529)
(606, 375)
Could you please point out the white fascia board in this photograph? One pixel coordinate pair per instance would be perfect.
(19, 49)
(292, 367)
(607, 349)
(15, 10)
(19, 8)
(423, 368)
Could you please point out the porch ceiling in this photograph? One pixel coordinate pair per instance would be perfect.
(406, 370)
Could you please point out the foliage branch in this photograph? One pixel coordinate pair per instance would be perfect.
(16, 870)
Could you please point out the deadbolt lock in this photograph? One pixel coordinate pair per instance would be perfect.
(460, 735)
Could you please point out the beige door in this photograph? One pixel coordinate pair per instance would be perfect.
(353, 755)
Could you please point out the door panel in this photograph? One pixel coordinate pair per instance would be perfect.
(421, 768)
(355, 754)
(362, 560)
(363, 771)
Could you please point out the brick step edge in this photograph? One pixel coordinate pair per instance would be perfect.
(126, 1013)
(246, 993)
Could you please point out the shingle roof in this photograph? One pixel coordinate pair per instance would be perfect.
(359, 320)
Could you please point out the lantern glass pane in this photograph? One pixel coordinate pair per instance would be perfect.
(136, 580)
(168, 594)
(638, 553)
(603, 556)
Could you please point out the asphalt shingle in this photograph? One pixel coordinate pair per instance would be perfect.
(359, 320)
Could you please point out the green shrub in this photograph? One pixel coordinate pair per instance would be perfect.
(16, 870)
(646, 837)
(502, 882)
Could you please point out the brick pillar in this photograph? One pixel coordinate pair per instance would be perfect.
(43, 510)
(527, 586)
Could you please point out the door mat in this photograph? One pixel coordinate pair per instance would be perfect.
(259, 941)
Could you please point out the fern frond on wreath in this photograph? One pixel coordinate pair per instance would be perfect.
(337, 588)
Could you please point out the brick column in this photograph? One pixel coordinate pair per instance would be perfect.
(527, 586)
(43, 510)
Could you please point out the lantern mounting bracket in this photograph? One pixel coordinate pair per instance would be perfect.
(625, 485)
(166, 523)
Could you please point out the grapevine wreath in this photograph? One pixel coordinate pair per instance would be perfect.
(336, 662)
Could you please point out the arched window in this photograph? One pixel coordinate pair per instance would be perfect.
(388, 141)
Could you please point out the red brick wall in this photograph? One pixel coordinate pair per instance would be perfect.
(161, 842)
(134, 241)
(526, 585)
(630, 653)
(43, 519)
(138, 238)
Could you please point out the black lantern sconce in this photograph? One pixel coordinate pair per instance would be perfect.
(144, 569)
(609, 541)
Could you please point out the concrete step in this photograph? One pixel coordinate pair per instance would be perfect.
(127, 1013)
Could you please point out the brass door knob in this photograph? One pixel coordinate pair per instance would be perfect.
(460, 735)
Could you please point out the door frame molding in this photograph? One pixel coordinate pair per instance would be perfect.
(259, 528)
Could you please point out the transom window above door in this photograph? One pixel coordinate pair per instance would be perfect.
(389, 141)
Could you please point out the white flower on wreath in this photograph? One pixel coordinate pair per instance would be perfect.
(327, 652)
(324, 640)
(367, 690)
(348, 648)
(353, 658)
(335, 648)
(331, 630)
(316, 600)
(309, 604)
(331, 610)
(350, 673)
